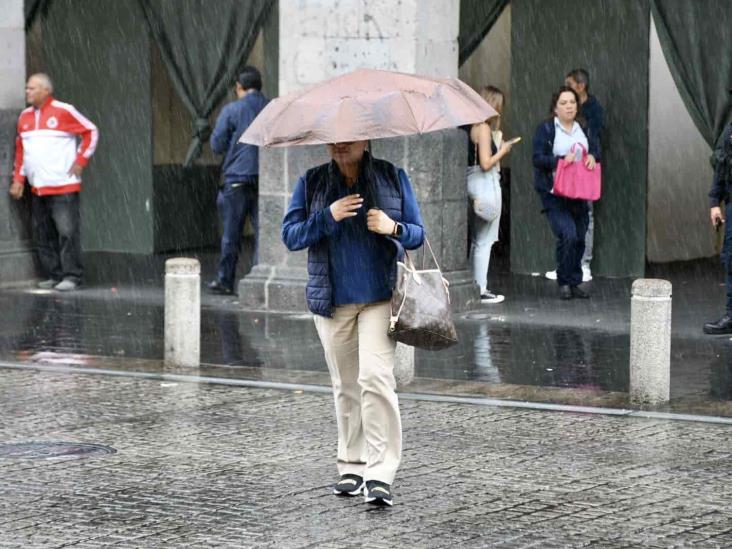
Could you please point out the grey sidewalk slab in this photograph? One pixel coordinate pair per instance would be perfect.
(202, 465)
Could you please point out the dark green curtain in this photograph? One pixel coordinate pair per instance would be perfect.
(476, 19)
(203, 44)
(35, 9)
(696, 37)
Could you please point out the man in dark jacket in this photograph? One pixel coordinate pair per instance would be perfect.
(720, 193)
(238, 196)
(591, 110)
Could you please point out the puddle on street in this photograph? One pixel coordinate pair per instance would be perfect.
(50, 329)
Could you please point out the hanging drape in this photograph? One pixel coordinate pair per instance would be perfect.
(203, 44)
(696, 38)
(35, 9)
(476, 19)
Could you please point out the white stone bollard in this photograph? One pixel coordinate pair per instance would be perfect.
(650, 341)
(182, 312)
(403, 364)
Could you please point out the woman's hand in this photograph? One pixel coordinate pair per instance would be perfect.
(570, 157)
(590, 162)
(346, 206)
(378, 222)
(505, 148)
(716, 216)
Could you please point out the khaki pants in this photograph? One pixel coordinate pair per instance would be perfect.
(360, 359)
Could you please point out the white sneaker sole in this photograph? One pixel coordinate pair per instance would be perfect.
(377, 501)
(493, 301)
(355, 492)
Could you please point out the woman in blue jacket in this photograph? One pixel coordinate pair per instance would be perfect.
(554, 139)
(355, 214)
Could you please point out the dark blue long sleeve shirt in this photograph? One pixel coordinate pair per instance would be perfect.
(592, 112)
(241, 162)
(723, 169)
(358, 265)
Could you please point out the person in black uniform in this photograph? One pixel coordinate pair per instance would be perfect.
(720, 193)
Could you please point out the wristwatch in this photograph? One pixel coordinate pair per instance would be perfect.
(398, 229)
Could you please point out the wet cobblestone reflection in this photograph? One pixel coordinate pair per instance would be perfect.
(492, 349)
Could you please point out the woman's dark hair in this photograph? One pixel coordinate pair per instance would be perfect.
(555, 98)
(560, 91)
(250, 78)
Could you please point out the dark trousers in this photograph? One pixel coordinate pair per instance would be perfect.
(235, 202)
(57, 235)
(727, 255)
(569, 224)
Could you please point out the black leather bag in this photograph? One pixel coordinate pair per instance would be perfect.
(421, 315)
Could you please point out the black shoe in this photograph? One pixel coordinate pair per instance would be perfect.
(579, 293)
(349, 485)
(565, 292)
(377, 493)
(722, 326)
(216, 287)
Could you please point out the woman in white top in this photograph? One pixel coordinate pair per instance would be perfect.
(554, 139)
(485, 150)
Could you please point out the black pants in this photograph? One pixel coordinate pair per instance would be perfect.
(569, 225)
(236, 202)
(56, 234)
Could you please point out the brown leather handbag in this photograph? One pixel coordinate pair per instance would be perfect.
(421, 315)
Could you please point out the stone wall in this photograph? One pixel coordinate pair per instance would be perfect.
(16, 257)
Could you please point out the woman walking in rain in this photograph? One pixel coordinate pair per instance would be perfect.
(354, 214)
(555, 138)
(485, 150)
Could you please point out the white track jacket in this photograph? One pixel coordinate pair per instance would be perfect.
(46, 147)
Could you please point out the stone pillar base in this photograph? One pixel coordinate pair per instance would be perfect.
(17, 267)
(274, 288)
(282, 289)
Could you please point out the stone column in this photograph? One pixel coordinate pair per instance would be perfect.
(319, 41)
(16, 258)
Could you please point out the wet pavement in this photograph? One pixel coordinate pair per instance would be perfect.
(532, 346)
(239, 452)
(207, 465)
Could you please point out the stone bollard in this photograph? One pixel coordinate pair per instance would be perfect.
(650, 341)
(182, 312)
(404, 365)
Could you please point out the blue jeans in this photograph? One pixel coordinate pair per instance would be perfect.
(235, 202)
(569, 224)
(57, 235)
(727, 256)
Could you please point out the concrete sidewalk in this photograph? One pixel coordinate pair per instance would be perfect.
(200, 465)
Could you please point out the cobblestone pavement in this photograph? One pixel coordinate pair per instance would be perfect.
(202, 465)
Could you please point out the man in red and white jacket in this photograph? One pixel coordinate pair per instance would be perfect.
(49, 158)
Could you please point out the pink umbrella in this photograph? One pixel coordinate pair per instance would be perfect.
(366, 104)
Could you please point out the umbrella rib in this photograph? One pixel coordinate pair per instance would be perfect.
(411, 111)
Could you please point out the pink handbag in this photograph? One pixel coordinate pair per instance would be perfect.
(575, 180)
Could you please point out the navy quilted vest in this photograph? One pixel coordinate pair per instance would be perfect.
(386, 195)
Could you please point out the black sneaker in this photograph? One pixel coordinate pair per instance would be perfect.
(377, 493)
(349, 485)
(217, 288)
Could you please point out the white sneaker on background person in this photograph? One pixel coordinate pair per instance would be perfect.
(491, 298)
(551, 275)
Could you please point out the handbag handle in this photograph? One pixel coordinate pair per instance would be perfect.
(581, 146)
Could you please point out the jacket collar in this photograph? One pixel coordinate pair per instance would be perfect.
(46, 103)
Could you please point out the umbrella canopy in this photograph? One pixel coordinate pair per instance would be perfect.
(366, 104)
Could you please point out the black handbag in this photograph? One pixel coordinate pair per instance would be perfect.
(421, 315)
